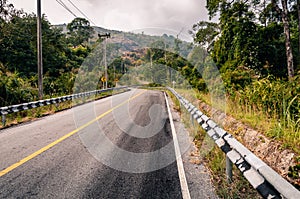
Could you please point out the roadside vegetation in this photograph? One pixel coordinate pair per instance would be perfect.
(255, 46)
(62, 55)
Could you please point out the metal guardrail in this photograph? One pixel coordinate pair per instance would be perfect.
(31, 105)
(262, 177)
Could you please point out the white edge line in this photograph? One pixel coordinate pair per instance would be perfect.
(181, 172)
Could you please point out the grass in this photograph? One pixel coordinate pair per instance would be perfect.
(238, 188)
(215, 160)
(174, 99)
(282, 128)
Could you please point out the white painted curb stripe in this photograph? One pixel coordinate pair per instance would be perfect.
(181, 173)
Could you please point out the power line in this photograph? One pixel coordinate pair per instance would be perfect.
(70, 11)
(66, 7)
(81, 12)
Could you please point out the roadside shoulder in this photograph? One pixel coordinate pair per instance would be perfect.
(197, 175)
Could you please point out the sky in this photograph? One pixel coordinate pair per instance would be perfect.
(174, 16)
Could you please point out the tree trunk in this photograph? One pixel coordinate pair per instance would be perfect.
(285, 20)
(288, 46)
(298, 8)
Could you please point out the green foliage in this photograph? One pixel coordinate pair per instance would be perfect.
(18, 55)
(159, 59)
(249, 46)
(18, 45)
(294, 171)
(238, 40)
(236, 78)
(154, 85)
(273, 97)
(250, 52)
(80, 31)
(14, 89)
(278, 101)
(271, 51)
(206, 33)
(247, 38)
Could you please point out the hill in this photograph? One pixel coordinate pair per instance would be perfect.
(132, 41)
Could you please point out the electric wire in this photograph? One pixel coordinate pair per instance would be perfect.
(66, 7)
(76, 7)
(81, 12)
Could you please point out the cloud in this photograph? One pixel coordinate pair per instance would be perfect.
(150, 13)
(130, 14)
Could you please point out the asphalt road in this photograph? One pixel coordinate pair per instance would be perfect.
(117, 147)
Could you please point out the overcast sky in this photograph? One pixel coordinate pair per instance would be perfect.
(126, 15)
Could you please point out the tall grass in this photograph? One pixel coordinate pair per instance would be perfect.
(276, 106)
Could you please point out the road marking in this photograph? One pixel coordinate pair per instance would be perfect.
(183, 182)
(33, 155)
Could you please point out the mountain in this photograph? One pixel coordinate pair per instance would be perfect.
(134, 41)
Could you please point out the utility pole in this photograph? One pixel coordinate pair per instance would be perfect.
(105, 36)
(39, 50)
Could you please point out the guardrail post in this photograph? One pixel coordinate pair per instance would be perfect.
(3, 120)
(228, 169)
(192, 120)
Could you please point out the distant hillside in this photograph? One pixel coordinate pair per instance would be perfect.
(132, 41)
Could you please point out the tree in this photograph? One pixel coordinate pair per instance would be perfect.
(252, 34)
(284, 12)
(205, 33)
(80, 31)
(237, 42)
(19, 45)
(18, 55)
(7, 10)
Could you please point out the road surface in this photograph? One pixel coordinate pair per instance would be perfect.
(118, 147)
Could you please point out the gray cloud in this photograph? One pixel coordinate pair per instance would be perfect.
(128, 15)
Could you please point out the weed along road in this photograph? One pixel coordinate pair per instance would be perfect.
(124, 146)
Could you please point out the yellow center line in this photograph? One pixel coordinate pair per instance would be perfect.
(33, 155)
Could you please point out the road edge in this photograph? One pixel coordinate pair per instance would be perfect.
(181, 172)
